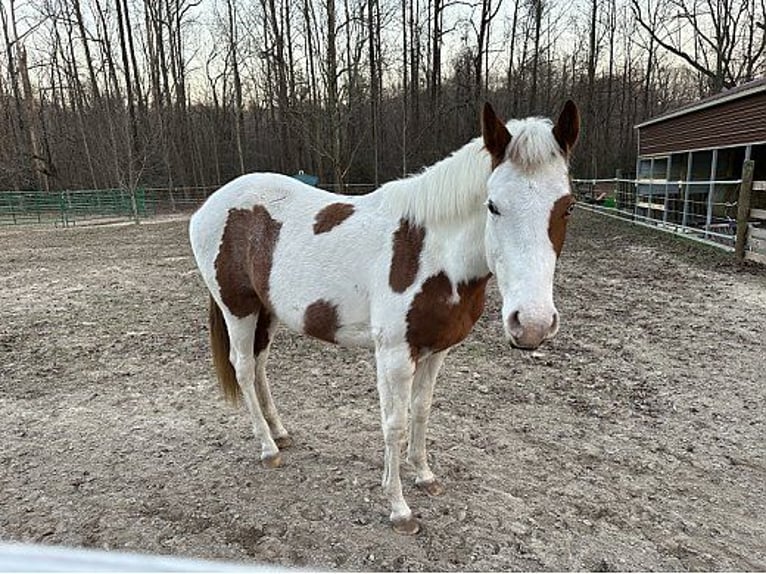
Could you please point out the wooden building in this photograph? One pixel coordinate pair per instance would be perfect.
(690, 159)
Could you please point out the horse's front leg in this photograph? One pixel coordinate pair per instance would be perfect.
(395, 370)
(422, 396)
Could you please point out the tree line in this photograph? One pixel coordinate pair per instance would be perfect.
(170, 93)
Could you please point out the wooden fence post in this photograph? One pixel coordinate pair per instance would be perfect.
(743, 208)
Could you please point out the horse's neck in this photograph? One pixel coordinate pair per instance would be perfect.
(447, 199)
(459, 249)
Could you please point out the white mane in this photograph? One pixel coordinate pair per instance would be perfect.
(457, 184)
(443, 191)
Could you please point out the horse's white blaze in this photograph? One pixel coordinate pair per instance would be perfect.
(401, 270)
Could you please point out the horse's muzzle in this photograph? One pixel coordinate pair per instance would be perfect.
(528, 333)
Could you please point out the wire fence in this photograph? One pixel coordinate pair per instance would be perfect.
(77, 207)
(65, 207)
(72, 207)
(701, 210)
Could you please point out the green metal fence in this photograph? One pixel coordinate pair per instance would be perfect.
(73, 207)
(68, 207)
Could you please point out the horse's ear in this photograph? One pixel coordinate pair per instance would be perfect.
(567, 127)
(496, 135)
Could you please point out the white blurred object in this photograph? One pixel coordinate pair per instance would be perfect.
(39, 558)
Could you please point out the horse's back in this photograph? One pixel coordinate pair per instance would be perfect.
(271, 192)
(253, 189)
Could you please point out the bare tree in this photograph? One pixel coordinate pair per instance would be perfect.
(727, 36)
(373, 30)
(275, 49)
(131, 91)
(486, 15)
(86, 49)
(537, 8)
(10, 35)
(511, 72)
(234, 59)
(331, 71)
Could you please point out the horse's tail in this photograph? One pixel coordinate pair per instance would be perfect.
(220, 345)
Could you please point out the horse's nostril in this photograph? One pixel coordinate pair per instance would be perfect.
(514, 324)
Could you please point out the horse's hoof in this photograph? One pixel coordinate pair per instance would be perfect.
(408, 526)
(431, 487)
(272, 461)
(283, 442)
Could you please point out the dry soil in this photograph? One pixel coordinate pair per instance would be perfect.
(633, 441)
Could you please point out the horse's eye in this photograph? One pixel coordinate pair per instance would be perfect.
(493, 208)
(570, 209)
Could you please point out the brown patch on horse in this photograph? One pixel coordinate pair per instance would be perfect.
(557, 224)
(331, 216)
(435, 321)
(262, 338)
(321, 320)
(405, 262)
(245, 257)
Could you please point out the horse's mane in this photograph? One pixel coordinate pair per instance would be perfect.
(454, 186)
(444, 190)
(533, 144)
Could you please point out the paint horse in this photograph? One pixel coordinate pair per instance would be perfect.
(402, 270)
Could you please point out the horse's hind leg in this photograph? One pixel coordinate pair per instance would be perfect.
(242, 339)
(264, 334)
(420, 407)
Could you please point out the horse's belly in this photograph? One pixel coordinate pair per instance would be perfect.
(320, 283)
(355, 335)
(334, 318)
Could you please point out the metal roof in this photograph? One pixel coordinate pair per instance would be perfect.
(741, 91)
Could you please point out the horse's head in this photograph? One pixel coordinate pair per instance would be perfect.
(529, 201)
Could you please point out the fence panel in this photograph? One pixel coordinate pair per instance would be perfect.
(102, 204)
(164, 201)
(72, 207)
(701, 210)
(20, 207)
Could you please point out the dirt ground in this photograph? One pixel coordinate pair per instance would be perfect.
(635, 440)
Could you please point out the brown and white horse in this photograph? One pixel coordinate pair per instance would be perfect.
(402, 270)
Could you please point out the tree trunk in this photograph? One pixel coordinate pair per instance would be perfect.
(86, 50)
(537, 6)
(19, 126)
(238, 114)
(38, 160)
(132, 124)
(373, 32)
(590, 112)
(510, 76)
(332, 94)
